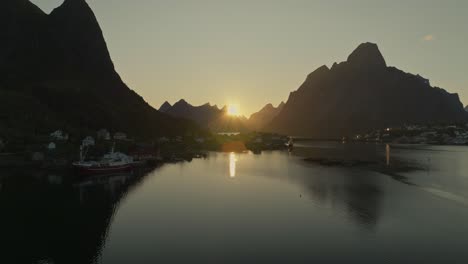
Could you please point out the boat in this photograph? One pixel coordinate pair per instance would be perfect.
(290, 143)
(113, 162)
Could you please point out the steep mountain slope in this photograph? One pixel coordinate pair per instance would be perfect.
(363, 93)
(22, 42)
(259, 119)
(61, 61)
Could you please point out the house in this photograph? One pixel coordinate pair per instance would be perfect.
(51, 146)
(59, 135)
(88, 141)
(103, 134)
(120, 136)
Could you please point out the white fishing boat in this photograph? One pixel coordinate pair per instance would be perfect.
(112, 162)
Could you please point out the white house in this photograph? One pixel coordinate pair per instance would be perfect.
(103, 134)
(59, 135)
(88, 141)
(120, 136)
(51, 146)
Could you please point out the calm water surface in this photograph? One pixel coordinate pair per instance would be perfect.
(244, 208)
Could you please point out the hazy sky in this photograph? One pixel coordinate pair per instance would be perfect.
(252, 52)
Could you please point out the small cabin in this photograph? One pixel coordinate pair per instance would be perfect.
(88, 141)
(59, 135)
(120, 136)
(51, 146)
(103, 134)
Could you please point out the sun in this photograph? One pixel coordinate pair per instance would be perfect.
(233, 110)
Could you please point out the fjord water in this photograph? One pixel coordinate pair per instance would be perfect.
(244, 208)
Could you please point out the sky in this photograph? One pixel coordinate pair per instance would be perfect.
(254, 52)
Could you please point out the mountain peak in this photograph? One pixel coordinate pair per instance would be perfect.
(363, 94)
(165, 106)
(73, 4)
(70, 2)
(80, 42)
(367, 55)
(269, 106)
(181, 102)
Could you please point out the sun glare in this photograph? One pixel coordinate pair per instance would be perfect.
(233, 110)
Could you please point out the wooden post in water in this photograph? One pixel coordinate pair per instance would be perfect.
(387, 150)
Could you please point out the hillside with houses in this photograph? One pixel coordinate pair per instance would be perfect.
(417, 134)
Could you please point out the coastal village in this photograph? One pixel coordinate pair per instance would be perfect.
(60, 150)
(417, 134)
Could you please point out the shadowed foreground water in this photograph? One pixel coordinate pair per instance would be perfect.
(244, 208)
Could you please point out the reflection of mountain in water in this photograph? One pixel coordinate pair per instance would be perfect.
(359, 193)
(59, 222)
(352, 190)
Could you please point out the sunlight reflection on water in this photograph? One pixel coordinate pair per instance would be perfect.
(232, 164)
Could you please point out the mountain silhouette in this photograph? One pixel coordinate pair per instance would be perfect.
(202, 115)
(58, 70)
(208, 116)
(259, 119)
(361, 94)
(165, 106)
